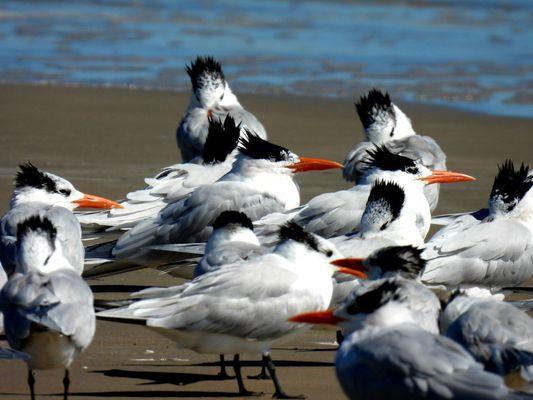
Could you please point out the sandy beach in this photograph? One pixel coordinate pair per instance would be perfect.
(106, 140)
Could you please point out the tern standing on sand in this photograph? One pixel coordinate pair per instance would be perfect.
(48, 308)
(211, 97)
(242, 307)
(385, 124)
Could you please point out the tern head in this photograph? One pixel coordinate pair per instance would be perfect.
(222, 139)
(383, 207)
(509, 190)
(232, 226)
(35, 185)
(379, 303)
(37, 247)
(405, 261)
(381, 162)
(382, 120)
(208, 81)
(269, 156)
(305, 248)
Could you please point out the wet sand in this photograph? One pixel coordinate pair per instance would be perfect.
(106, 140)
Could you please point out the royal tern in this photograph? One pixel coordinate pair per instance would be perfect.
(48, 195)
(494, 252)
(385, 124)
(242, 307)
(390, 354)
(172, 183)
(259, 183)
(339, 213)
(48, 308)
(211, 97)
(496, 333)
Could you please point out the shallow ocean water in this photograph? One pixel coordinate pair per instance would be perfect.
(470, 54)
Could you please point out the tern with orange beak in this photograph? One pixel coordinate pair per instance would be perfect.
(242, 307)
(339, 213)
(46, 195)
(260, 182)
(385, 124)
(171, 184)
(391, 352)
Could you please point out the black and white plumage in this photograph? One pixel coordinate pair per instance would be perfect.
(211, 97)
(241, 307)
(391, 354)
(339, 213)
(39, 193)
(48, 308)
(496, 251)
(495, 332)
(385, 124)
(172, 183)
(259, 183)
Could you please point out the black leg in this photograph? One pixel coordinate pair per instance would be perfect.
(223, 374)
(31, 383)
(238, 375)
(279, 394)
(263, 374)
(66, 384)
(340, 337)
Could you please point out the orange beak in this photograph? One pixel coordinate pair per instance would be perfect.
(446, 177)
(351, 266)
(317, 317)
(91, 201)
(314, 164)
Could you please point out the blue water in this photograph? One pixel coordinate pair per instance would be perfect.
(471, 54)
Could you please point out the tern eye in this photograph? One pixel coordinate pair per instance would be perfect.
(221, 97)
(412, 170)
(66, 192)
(327, 253)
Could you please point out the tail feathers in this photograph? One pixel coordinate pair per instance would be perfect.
(122, 314)
(184, 249)
(102, 268)
(508, 360)
(10, 354)
(103, 305)
(446, 219)
(103, 251)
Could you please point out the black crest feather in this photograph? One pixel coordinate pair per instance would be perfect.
(292, 231)
(29, 175)
(384, 159)
(204, 66)
(233, 217)
(374, 103)
(406, 260)
(221, 140)
(389, 195)
(255, 147)
(511, 184)
(36, 223)
(371, 300)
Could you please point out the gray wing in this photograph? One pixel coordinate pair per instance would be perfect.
(191, 133)
(491, 253)
(495, 333)
(334, 214)
(413, 364)
(61, 302)
(252, 299)
(227, 254)
(191, 219)
(248, 121)
(354, 167)
(68, 233)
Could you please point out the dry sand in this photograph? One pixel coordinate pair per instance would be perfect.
(106, 140)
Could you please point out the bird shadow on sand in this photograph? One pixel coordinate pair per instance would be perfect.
(157, 378)
(277, 363)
